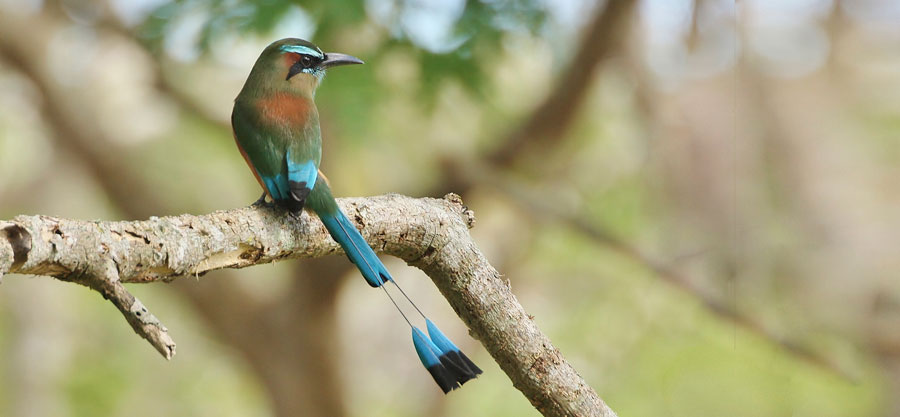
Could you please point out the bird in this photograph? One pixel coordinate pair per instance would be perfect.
(276, 127)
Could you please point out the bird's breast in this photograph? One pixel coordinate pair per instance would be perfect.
(286, 109)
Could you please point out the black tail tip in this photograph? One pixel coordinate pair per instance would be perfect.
(464, 360)
(444, 377)
(454, 370)
(460, 366)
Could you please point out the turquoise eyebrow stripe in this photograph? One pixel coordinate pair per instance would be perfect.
(300, 49)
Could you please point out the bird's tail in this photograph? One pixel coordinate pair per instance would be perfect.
(449, 367)
(356, 248)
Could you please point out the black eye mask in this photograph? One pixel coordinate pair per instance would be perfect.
(305, 62)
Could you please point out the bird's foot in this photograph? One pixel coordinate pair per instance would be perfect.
(261, 202)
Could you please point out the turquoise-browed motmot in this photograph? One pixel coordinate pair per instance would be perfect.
(276, 127)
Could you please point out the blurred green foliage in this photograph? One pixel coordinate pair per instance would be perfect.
(469, 48)
(476, 33)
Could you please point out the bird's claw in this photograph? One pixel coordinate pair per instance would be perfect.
(261, 202)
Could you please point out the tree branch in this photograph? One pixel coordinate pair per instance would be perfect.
(552, 119)
(431, 234)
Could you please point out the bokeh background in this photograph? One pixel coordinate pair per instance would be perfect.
(699, 201)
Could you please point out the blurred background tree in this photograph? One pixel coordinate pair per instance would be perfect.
(711, 185)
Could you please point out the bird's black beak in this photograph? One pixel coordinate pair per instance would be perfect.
(334, 59)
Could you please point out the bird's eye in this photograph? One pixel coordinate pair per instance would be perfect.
(306, 61)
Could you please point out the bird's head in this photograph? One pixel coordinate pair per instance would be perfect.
(297, 64)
